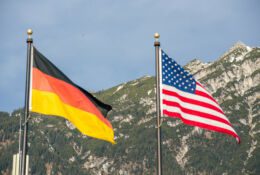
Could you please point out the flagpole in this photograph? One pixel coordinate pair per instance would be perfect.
(158, 106)
(27, 96)
(20, 145)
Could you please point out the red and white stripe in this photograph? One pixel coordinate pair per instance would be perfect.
(199, 109)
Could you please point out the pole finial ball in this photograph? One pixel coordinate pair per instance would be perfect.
(29, 32)
(156, 35)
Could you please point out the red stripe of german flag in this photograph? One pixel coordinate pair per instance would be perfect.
(52, 93)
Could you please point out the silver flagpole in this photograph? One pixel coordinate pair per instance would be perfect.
(20, 145)
(158, 106)
(27, 96)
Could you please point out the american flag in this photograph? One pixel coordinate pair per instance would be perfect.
(185, 98)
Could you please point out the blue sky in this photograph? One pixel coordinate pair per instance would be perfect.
(102, 43)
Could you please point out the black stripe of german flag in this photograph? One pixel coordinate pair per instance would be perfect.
(53, 93)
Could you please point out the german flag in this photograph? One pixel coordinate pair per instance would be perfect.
(53, 93)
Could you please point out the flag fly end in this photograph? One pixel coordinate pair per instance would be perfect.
(238, 140)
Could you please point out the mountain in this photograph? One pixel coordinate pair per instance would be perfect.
(56, 147)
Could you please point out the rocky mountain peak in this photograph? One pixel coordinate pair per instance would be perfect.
(196, 65)
(238, 45)
(238, 50)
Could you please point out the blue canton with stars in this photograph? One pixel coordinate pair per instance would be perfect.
(174, 75)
